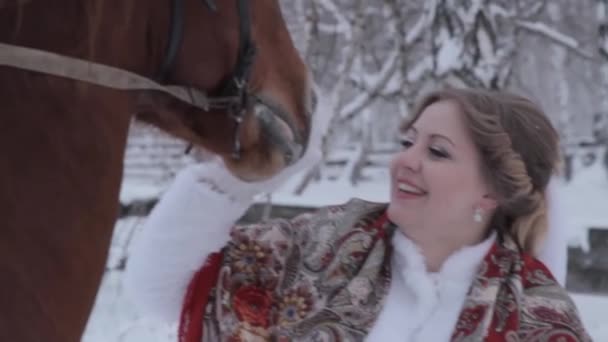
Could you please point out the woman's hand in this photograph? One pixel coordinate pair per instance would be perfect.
(214, 174)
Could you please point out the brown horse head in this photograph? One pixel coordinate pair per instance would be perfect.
(62, 141)
(220, 41)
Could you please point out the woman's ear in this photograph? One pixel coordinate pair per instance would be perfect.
(488, 202)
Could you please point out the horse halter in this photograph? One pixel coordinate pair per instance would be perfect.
(235, 97)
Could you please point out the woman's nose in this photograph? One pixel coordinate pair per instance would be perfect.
(410, 158)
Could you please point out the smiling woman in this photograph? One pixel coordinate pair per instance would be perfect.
(499, 152)
(453, 256)
(439, 171)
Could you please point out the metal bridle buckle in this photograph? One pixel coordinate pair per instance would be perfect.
(235, 97)
(237, 112)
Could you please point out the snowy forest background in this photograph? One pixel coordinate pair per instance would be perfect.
(371, 60)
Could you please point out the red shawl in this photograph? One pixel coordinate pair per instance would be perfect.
(273, 282)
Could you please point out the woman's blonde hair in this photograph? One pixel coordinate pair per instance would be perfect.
(519, 150)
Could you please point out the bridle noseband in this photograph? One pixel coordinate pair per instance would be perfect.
(235, 96)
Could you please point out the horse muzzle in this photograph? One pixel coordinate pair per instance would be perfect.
(280, 130)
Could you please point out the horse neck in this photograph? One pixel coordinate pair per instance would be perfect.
(62, 146)
(112, 32)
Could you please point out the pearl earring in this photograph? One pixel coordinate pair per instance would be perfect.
(478, 215)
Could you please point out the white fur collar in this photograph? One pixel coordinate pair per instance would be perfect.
(461, 265)
(423, 306)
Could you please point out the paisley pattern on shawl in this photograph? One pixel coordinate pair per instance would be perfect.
(514, 297)
(324, 276)
(320, 277)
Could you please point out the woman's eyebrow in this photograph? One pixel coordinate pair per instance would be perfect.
(436, 135)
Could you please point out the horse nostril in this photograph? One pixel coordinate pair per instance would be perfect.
(288, 155)
(278, 133)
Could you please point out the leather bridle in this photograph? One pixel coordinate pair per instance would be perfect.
(235, 96)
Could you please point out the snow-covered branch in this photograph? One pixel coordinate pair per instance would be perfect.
(368, 54)
(555, 36)
(342, 26)
(602, 30)
(378, 82)
(534, 10)
(468, 14)
(423, 23)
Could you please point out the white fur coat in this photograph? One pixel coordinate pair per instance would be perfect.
(192, 220)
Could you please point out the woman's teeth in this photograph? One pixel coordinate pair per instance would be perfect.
(410, 189)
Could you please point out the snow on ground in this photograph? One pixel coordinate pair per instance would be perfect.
(585, 201)
(114, 319)
(135, 190)
(594, 313)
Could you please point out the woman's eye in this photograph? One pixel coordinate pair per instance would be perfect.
(405, 143)
(438, 153)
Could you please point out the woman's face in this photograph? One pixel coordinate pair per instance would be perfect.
(436, 181)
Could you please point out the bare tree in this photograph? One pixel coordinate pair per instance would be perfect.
(372, 59)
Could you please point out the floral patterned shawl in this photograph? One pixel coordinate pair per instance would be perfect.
(324, 276)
